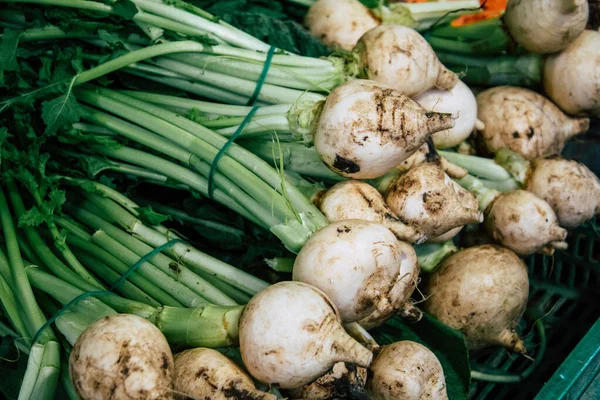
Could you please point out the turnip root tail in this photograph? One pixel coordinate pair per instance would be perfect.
(575, 126)
(511, 340)
(446, 79)
(344, 380)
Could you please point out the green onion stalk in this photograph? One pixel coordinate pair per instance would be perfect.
(243, 182)
(419, 16)
(430, 255)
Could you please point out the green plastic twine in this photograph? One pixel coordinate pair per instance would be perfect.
(123, 277)
(222, 150)
(262, 77)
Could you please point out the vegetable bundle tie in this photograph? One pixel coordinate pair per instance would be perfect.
(123, 277)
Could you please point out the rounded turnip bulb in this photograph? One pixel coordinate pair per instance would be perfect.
(339, 23)
(122, 357)
(401, 58)
(571, 189)
(407, 370)
(461, 103)
(361, 266)
(545, 26)
(430, 200)
(524, 223)
(203, 373)
(365, 129)
(525, 122)
(482, 292)
(353, 199)
(291, 334)
(572, 77)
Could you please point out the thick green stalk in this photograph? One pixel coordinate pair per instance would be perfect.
(430, 255)
(188, 254)
(238, 295)
(484, 195)
(121, 268)
(11, 306)
(477, 166)
(514, 163)
(242, 156)
(126, 288)
(169, 266)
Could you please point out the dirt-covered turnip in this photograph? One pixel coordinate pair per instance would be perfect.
(407, 370)
(291, 334)
(401, 58)
(459, 101)
(361, 266)
(366, 128)
(345, 380)
(525, 122)
(545, 26)
(353, 199)
(482, 292)
(572, 77)
(340, 23)
(428, 199)
(203, 373)
(122, 356)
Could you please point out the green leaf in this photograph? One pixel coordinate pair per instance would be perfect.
(151, 217)
(60, 112)
(32, 217)
(8, 49)
(125, 8)
(447, 344)
(370, 3)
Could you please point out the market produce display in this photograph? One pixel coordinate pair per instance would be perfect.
(304, 199)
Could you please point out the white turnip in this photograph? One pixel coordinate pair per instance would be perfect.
(401, 58)
(569, 187)
(361, 266)
(340, 23)
(482, 292)
(354, 199)
(572, 77)
(525, 122)
(203, 373)
(426, 198)
(366, 128)
(122, 356)
(291, 334)
(461, 103)
(545, 26)
(407, 370)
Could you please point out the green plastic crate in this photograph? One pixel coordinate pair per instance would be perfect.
(564, 295)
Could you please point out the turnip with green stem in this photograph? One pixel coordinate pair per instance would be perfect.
(525, 122)
(482, 292)
(568, 186)
(293, 345)
(377, 273)
(519, 220)
(545, 26)
(571, 77)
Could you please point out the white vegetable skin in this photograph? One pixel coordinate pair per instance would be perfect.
(361, 266)
(340, 23)
(122, 357)
(366, 129)
(430, 200)
(401, 58)
(545, 26)
(407, 370)
(291, 334)
(569, 187)
(524, 223)
(203, 373)
(525, 122)
(353, 199)
(482, 292)
(460, 102)
(572, 77)
(444, 237)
